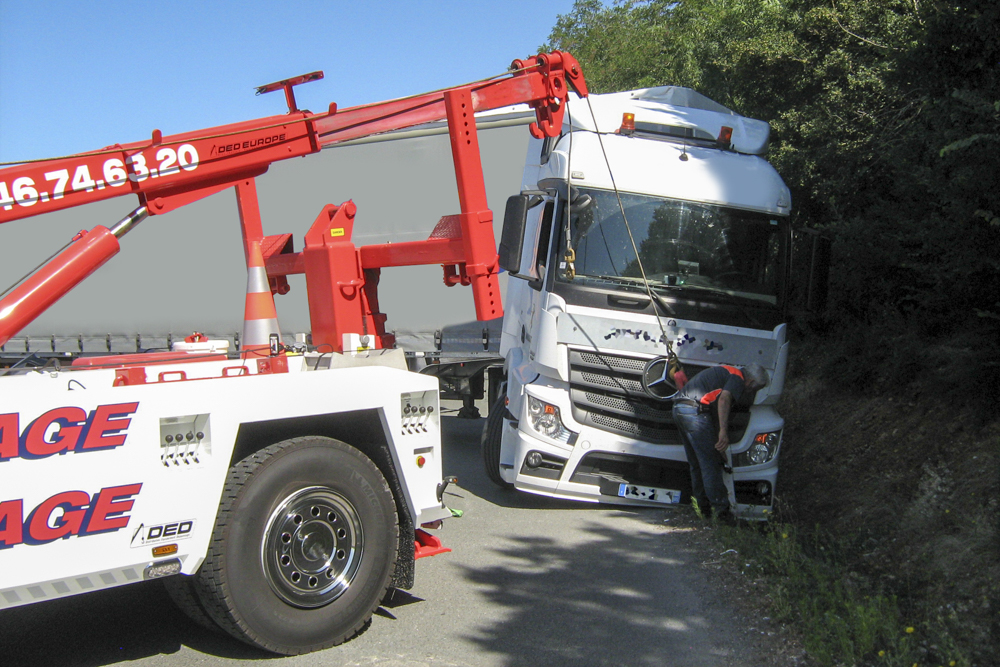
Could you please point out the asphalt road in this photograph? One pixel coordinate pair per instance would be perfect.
(531, 582)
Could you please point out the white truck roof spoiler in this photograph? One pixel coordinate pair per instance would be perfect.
(671, 106)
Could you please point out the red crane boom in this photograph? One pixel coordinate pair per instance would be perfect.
(168, 172)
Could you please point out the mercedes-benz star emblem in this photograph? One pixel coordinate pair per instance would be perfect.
(656, 379)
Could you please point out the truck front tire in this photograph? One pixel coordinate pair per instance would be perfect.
(490, 443)
(303, 549)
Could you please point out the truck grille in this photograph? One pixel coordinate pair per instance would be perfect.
(606, 392)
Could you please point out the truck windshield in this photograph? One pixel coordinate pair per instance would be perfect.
(682, 245)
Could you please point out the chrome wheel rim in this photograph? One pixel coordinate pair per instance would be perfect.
(312, 547)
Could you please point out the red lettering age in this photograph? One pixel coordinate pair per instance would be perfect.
(107, 424)
(109, 505)
(70, 421)
(68, 523)
(11, 516)
(9, 431)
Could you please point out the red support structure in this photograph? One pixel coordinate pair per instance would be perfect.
(334, 278)
(84, 256)
(480, 267)
(426, 544)
(250, 225)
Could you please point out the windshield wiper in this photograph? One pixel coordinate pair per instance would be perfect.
(713, 290)
(634, 283)
(616, 280)
(663, 304)
(736, 300)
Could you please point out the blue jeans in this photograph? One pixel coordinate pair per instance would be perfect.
(699, 435)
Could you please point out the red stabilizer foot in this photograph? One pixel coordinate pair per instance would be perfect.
(427, 545)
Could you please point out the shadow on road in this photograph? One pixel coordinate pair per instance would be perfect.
(624, 594)
(108, 627)
(621, 598)
(617, 593)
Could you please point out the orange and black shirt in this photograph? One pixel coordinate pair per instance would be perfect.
(705, 387)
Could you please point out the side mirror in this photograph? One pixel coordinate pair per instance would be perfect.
(512, 237)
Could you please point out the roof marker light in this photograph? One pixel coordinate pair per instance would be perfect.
(725, 135)
(628, 124)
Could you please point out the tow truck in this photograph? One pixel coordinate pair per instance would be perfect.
(280, 491)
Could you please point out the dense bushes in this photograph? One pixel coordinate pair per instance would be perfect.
(886, 119)
(886, 126)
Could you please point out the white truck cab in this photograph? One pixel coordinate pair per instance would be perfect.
(653, 223)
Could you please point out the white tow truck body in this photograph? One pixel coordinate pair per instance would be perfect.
(99, 479)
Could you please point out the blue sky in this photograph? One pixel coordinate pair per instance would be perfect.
(78, 75)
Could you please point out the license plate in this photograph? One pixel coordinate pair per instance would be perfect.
(666, 496)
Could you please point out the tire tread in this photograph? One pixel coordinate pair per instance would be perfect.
(490, 443)
(210, 579)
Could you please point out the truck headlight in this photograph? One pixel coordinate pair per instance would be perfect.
(545, 420)
(762, 449)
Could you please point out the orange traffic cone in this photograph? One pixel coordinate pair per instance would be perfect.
(260, 319)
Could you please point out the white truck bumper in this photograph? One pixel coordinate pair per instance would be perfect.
(647, 474)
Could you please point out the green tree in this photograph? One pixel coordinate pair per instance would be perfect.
(884, 117)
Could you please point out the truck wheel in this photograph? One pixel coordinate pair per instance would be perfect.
(303, 549)
(490, 443)
(182, 591)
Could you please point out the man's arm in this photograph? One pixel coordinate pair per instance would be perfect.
(725, 403)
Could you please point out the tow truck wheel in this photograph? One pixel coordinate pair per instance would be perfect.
(490, 443)
(182, 590)
(303, 549)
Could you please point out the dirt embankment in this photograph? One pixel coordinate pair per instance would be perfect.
(908, 488)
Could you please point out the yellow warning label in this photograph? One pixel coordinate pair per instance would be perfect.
(339, 231)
